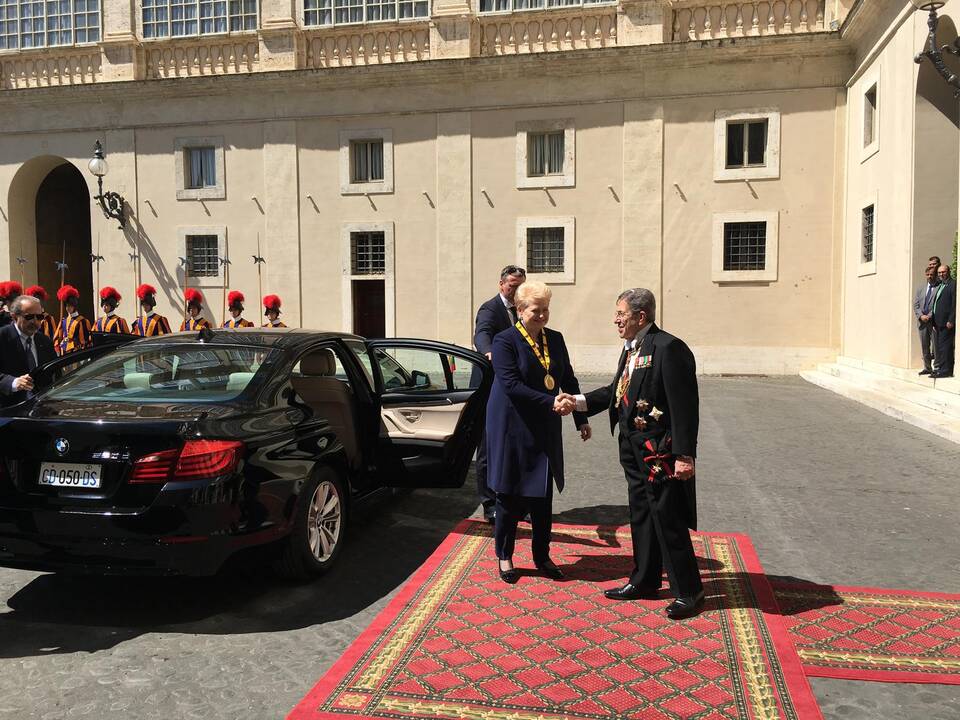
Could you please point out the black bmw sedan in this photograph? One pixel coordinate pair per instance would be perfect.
(167, 455)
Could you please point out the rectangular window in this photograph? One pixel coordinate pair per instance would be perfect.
(368, 253)
(329, 12)
(201, 167)
(487, 6)
(866, 254)
(366, 161)
(545, 250)
(545, 153)
(747, 144)
(870, 116)
(203, 253)
(26, 24)
(744, 246)
(183, 18)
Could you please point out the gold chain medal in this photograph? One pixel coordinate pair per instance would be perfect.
(548, 381)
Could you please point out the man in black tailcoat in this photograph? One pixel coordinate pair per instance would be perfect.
(494, 316)
(654, 402)
(22, 349)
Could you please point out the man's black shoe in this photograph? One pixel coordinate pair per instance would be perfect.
(940, 376)
(631, 592)
(550, 569)
(685, 607)
(925, 372)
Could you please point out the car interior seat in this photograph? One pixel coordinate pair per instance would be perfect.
(318, 387)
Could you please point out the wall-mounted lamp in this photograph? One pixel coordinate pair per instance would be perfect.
(933, 53)
(111, 203)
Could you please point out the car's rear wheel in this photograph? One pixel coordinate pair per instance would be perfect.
(319, 528)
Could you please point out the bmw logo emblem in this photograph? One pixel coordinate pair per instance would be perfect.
(62, 446)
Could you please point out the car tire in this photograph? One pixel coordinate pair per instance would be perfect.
(319, 528)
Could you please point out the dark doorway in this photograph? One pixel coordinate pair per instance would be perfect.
(369, 308)
(63, 231)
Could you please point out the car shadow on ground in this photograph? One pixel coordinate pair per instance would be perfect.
(388, 539)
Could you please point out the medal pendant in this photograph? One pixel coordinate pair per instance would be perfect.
(549, 382)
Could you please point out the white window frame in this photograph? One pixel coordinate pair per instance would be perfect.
(867, 268)
(180, 147)
(771, 253)
(376, 187)
(198, 33)
(388, 276)
(770, 170)
(578, 4)
(569, 176)
(870, 81)
(211, 281)
(46, 30)
(301, 6)
(569, 225)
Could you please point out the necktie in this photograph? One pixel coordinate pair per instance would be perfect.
(513, 314)
(926, 300)
(31, 360)
(624, 382)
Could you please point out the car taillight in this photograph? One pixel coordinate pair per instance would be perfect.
(196, 460)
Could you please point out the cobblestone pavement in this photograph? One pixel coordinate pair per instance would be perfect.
(828, 490)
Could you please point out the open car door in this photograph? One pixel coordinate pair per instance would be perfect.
(432, 400)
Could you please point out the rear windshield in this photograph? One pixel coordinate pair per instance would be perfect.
(182, 373)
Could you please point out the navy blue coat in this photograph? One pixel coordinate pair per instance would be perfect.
(523, 431)
(13, 361)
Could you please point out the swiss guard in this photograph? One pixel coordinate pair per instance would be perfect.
(73, 332)
(149, 323)
(48, 325)
(271, 304)
(111, 322)
(194, 300)
(235, 305)
(10, 290)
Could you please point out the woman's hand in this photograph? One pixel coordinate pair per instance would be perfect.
(586, 432)
(564, 404)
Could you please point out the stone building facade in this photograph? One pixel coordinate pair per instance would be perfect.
(386, 160)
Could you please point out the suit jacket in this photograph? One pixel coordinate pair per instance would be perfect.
(13, 361)
(945, 306)
(522, 430)
(918, 299)
(668, 384)
(492, 318)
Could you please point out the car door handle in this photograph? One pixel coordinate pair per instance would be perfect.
(411, 416)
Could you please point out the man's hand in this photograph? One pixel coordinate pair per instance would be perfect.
(564, 404)
(924, 318)
(24, 382)
(684, 469)
(949, 325)
(489, 355)
(586, 432)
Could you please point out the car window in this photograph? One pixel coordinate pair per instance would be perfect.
(412, 370)
(185, 373)
(359, 351)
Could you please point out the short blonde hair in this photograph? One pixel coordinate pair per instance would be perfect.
(532, 290)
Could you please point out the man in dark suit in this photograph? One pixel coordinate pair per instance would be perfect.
(945, 322)
(494, 316)
(22, 349)
(923, 312)
(654, 402)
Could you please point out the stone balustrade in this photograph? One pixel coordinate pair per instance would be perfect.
(202, 56)
(366, 45)
(54, 66)
(550, 31)
(698, 20)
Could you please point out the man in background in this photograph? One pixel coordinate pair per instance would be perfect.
(923, 311)
(945, 322)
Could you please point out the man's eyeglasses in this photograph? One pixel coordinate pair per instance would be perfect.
(620, 315)
(32, 316)
(512, 270)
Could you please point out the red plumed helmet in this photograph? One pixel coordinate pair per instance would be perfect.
(235, 298)
(68, 292)
(13, 289)
(109, 293)
(192, 296)
(37, 291)
(4, 286)
(146, 291)
(272, 302)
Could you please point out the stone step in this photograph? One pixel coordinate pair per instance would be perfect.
(933, 421)
(926, 395)
(951, 385)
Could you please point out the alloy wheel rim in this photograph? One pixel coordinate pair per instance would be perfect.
(324, 521)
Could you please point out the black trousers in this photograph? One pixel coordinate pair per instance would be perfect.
(510, 511)
(487, 497)
(928, 345)
(658, 527)
(945, 346)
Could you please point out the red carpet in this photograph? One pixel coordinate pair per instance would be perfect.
(858, 633)
(457, 642)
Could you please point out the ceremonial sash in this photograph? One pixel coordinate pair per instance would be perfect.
(548, 381)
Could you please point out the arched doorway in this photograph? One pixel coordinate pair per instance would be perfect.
(50, 222)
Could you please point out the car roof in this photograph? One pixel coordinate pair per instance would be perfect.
(279, 338)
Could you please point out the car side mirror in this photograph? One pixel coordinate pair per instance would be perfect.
(420, 379)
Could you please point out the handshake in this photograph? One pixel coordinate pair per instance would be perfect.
(564, 404)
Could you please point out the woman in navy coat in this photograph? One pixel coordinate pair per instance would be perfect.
(524, 444)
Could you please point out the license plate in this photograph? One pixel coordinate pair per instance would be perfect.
(69, 475)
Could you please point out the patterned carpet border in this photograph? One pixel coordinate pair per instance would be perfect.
(866, 633)
(766, 681)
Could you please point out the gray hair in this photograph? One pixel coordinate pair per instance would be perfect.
(640, 299)
(16, 307)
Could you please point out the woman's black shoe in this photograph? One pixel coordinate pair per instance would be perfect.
(551, 570)
(508, 576)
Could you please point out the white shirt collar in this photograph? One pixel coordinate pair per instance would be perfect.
(111, 313)
(629, 345)
(150, 314)
(23, 336)
(75, 314)
(506, 303)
